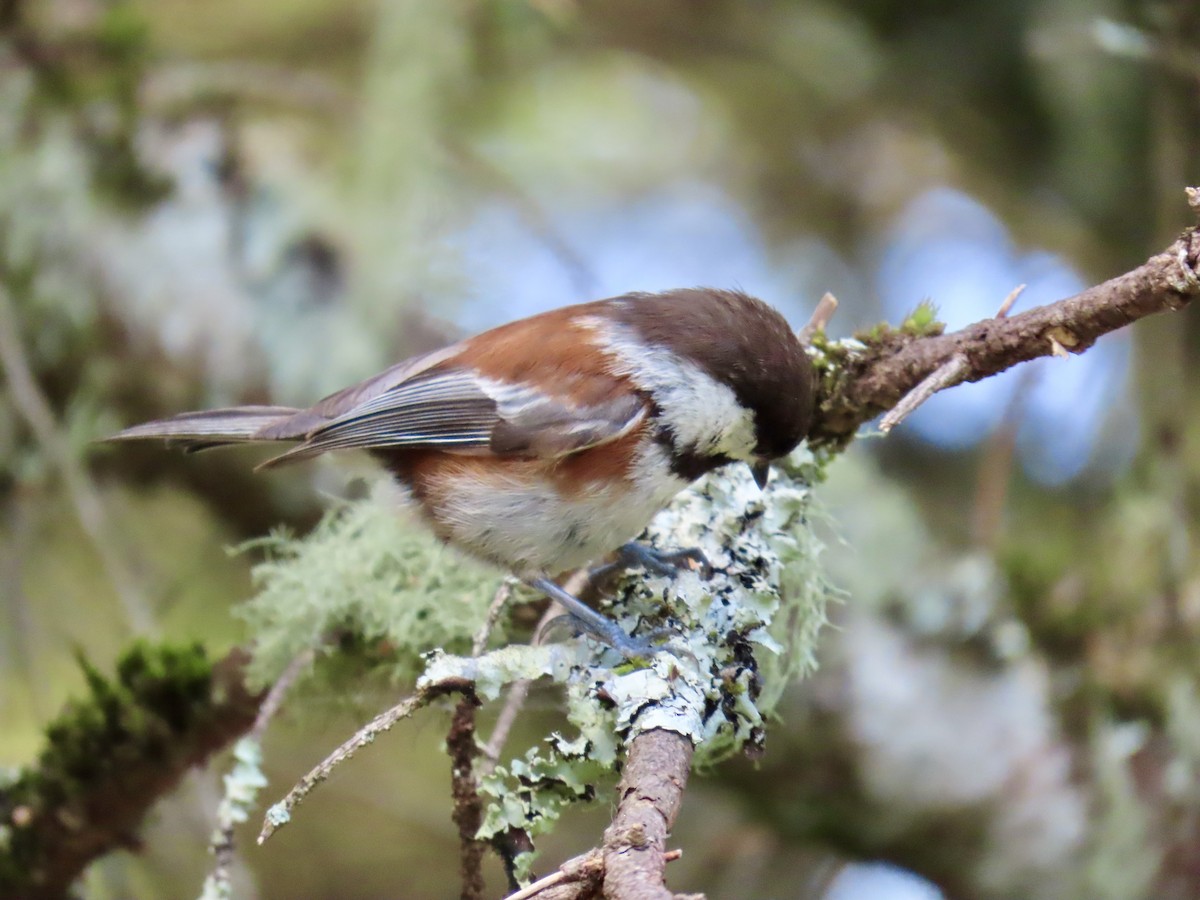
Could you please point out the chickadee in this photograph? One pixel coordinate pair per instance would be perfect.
(547, 443)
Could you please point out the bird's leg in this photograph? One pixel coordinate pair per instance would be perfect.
(593, 623)
(659, 562)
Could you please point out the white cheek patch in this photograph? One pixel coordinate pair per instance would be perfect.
(700, 411)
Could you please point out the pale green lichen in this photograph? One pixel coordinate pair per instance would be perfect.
(278, 815)
(491, 672)
(369, 572)
(242, 785)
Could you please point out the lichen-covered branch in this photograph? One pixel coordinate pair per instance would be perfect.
(865, 380)
(110, 756)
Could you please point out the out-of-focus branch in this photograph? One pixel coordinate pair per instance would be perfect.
(34, 408)
(878, 377)
(110, 757)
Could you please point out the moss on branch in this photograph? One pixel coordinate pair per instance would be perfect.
(110, 755)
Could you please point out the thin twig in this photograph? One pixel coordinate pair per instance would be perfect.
(499, 599)
(461, 743)
(467, 812)
(279, 814)
(517, 841)
(279, 691)
(817, 322)
(33, 406)
(518, 693)
(587, 868)
(947, 375)
(532, 890)
(1002, 312)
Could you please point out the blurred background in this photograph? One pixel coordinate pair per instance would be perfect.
(208, 203)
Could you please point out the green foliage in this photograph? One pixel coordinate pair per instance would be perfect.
(365, 580)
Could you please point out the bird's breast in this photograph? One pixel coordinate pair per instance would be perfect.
(537, 515)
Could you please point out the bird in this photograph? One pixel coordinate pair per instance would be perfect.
(550, 442)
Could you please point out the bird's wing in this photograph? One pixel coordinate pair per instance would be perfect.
(456, 409)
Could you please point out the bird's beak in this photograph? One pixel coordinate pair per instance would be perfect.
(761, 472)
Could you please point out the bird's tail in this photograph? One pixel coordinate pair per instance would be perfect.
(215, 427)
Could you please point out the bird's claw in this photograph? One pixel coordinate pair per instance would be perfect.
(597, 625)
(610, 635)
(658, 562)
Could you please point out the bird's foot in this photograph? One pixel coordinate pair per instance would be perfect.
(658, 562)
(597, 625)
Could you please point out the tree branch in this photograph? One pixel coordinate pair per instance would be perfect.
(869, 381)
(110, 757)
(650, 792)
(468, 806)
(631, 862)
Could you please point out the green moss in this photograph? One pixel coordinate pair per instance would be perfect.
(876, 334)
(923, 321)
(159, 692)
(153, 698)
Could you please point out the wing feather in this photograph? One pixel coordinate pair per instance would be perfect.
(455, 409)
